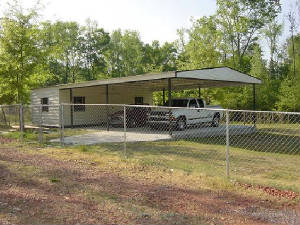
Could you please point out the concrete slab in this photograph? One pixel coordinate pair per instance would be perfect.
(203, 132)
(116, 135)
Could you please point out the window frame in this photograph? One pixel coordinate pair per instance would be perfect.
(200, 101)
(45, 104)
(139, 98)
(195, 102)
(79, 100)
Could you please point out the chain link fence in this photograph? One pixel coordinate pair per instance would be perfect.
(254, 147)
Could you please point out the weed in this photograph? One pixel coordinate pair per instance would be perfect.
(83, 148)
(54, 180)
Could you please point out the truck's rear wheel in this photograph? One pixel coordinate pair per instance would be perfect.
(216, 121)
(181, 123)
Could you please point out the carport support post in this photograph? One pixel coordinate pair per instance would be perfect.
(21, 120)
(125, 130)
(170, 104)
(227, 144)
(199, 92)
(61, 125)
(164, 96)
(107, 107)
(71, 106)
(169, 92)
(254, 105)
(40, 124)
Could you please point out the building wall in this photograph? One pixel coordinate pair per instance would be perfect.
(50, 118)
(97, 95)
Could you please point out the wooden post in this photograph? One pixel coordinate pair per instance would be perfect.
(199, 92)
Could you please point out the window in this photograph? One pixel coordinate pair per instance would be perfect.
(201, 103)
(138, 100)
(45, 101)
(79, 100)
(193, 103)
(178, 103)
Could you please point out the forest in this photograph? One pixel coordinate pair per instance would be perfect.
(242, 34)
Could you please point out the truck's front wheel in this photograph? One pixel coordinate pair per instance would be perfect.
(181, 123)
(216, 120)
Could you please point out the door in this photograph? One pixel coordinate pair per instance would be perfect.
(205, 115)
(192, 112)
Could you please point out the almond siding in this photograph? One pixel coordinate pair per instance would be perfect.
(50, 118)
(94, 115)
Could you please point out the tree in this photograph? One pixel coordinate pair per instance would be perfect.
(125, 54)
(158, 58)
(61, 39)
(202, 49)
(20, 54)
(272, 33)
(268, 90)
(93, 44)
(240, 22)
(292, 21)
(289, 92)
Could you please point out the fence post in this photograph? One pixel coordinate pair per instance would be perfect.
(61, 124)
(227, 143)
(21, 120)
(40, 124)
(125, 130)
(170, 123)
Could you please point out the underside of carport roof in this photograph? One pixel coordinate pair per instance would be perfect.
(204, 78)
(175, 80)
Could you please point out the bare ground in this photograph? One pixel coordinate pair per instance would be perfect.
(40, 189)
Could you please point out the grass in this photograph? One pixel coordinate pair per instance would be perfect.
(167, 182)
(32, 135)
(174, 182)
(269, 157)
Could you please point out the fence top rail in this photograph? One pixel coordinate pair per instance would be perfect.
(153, 106)
(10, 105)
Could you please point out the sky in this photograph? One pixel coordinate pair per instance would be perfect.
(153, 19)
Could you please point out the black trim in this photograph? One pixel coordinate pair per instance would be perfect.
(119, 83)
(238, 82)
(199, 118)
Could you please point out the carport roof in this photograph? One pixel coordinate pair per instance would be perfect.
(207, 77)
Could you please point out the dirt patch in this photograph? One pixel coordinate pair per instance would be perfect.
(272, 191)
(5, 140)
(70, 192)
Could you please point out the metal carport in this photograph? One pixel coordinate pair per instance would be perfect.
(174, 80)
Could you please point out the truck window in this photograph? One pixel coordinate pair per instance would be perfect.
(200, 102)
(178, 103)
(193, 103)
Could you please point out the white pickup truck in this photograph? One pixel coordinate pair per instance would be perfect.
(186, 111)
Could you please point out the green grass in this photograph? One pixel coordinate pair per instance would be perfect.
(269, 157)
(32, 135)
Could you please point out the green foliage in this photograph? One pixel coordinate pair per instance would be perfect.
(20, 54)
(202, 48)
(289, 92)
(36, 53)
